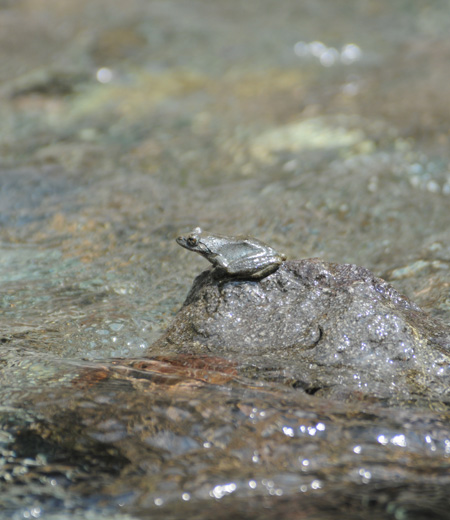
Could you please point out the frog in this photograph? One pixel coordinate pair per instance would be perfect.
(236, 256)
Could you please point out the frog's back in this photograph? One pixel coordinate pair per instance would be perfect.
(240, 247)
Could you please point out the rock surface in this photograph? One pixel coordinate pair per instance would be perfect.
(328, 328)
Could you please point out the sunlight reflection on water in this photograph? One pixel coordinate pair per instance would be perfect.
(328, 56)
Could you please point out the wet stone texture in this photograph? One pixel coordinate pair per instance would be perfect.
(328, 328)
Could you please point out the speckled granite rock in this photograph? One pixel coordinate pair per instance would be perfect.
(328, 328)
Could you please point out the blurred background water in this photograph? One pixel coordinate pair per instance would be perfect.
(321, 127)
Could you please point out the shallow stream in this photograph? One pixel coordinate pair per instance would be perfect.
(321, 127)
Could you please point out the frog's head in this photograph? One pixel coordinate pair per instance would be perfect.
(193, 241)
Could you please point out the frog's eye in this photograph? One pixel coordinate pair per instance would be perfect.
(191, 241)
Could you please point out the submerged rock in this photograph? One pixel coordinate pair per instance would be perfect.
(328, 328)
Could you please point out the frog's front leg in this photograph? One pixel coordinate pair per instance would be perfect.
(219, 261)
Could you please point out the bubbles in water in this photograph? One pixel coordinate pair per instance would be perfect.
(104, 75)
(399, 440)
(382, 439)
(447, 446)
(365, 475)
(34, 512)
(287, 430)
(328, 56)
(350, 53)
(301, 49)
(317, 48)
(222, 490)
(396, 440)
(430, 442)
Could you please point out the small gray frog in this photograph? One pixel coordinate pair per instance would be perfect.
(238, 256)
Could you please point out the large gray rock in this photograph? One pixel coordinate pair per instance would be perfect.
(328, 328)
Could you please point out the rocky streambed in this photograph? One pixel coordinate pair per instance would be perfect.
(317, 390)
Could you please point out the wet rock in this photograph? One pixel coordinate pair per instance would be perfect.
(328, 328)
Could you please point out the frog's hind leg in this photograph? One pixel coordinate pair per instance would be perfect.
(254, 268)
(266, 270)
